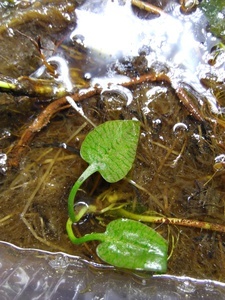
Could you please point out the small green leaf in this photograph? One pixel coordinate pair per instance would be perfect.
(128, 244)
(133, 245)
(111, 147)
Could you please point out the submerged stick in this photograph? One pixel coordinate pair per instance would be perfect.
(60, 104)
(16, 152)
(147, 7)
(41, 121)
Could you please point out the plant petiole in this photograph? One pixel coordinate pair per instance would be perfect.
(7, 85)
(86, 238)
(91, 169)
(171, 221)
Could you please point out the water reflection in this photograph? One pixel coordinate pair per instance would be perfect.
(113, 30)
(60, 75)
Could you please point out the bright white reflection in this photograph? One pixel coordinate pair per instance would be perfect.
(180, 41)
(125, 93)
(63, 75)
(113, 31)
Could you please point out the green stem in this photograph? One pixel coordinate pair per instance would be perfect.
(86, 238)
(33, 87)
(88, 172)
(173, 221)
(7, 85)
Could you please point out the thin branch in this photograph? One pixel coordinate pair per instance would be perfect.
(60, 104)
(147, 7)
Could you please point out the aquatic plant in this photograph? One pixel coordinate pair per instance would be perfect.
(110, 149)
(179, 170)
(214, 11)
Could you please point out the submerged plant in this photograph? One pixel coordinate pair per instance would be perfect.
(110, 149)
(128, 244)
(214, 11)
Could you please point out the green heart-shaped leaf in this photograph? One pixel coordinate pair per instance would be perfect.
(133, 245)
(111, 147)
(128, 244)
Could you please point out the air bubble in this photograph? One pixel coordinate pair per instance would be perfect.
(87, 76)
(186, 287)
(220, 158)
(3, 163)
(77, 39)
(180, 127)
(4, 133)
(219, 162)
(59, 262)
(125, 93)
(79, 205)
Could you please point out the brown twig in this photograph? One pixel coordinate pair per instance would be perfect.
(41, 121)
(190, 106)
(147, 7)
(38, 46)
(60, 104)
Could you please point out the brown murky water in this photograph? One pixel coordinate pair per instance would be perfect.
(179, 168)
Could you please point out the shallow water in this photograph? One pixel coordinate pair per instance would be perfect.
(179, 169)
